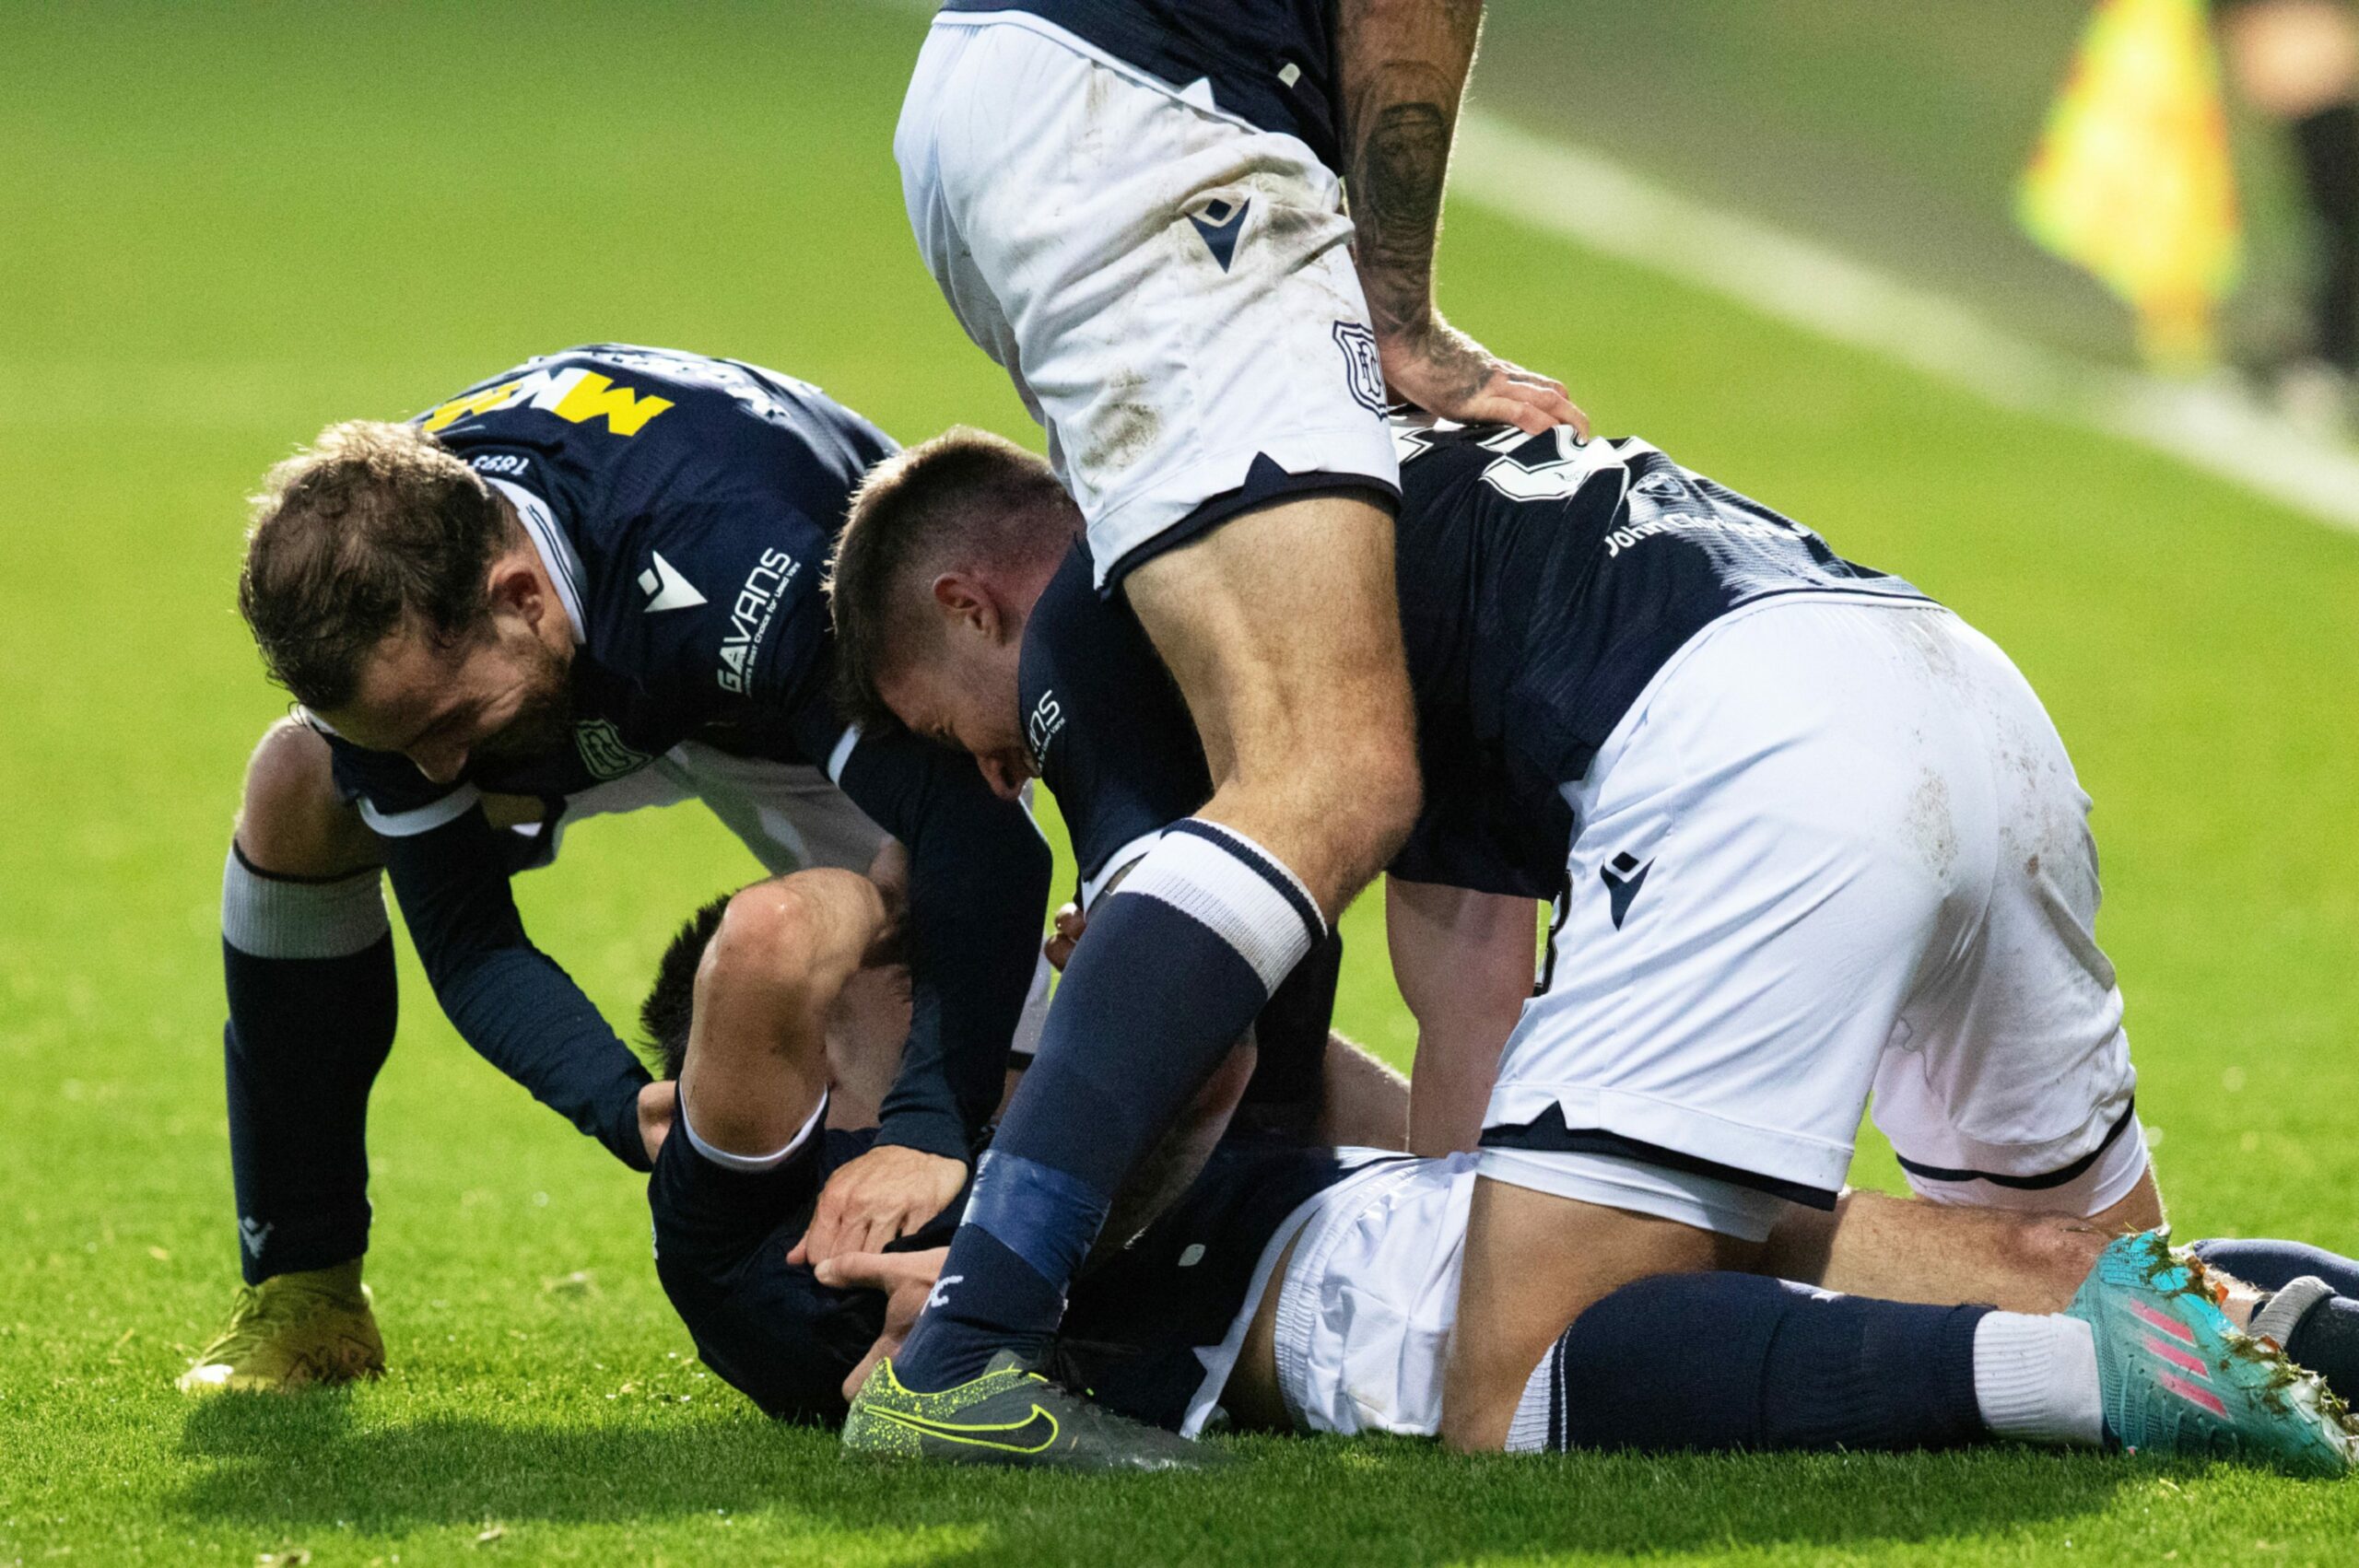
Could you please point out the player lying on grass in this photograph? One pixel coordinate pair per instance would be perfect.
(1314, 1290)
(1812, 836)
(590, 584)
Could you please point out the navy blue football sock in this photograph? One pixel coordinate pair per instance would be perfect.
(1177, 963)
(1737, 1361)
(2326, 1338)
(2326, 1341)
(1288, 1088)
(986, 1300)
(2272, 1265)
(310, 972)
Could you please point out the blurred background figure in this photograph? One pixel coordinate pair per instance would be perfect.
(2296, 62)
(2132, 178)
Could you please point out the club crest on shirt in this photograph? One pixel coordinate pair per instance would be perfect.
(1363, 371)
(601, 749)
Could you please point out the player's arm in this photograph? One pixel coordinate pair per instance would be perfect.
(1463, 962)
(506, 998)
(1403, 68)
(978, 883)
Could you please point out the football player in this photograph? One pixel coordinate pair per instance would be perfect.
(1138, 210)
(1314, 1290)
(1809, 834)
(589, 584)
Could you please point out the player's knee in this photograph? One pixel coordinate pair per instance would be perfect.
(1373, 798)
(771, 937)
(1386, 793)
(291, 820)
(1395, 788)
(2057, 1250)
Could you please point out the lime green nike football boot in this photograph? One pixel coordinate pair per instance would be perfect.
(292, 1331)
(2177, 1378)
(1009, 1416)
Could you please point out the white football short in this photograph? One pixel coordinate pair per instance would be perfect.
(1172, 288)
(1836, 846)
(1369, 1300)
(788, 815)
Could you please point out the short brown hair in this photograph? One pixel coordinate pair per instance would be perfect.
(966, 496)
(371, 525)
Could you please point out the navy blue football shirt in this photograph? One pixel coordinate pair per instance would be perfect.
(1543, 582)
(1140, 1320)
(685, 507)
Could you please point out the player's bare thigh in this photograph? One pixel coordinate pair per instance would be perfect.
(1534, 1262)
(756, 1066)
(1906, 1249)
(1283, 630)
(1251, 1395)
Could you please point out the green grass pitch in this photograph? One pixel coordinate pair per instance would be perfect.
(222, 227)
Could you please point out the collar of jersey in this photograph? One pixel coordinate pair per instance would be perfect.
(558, 557)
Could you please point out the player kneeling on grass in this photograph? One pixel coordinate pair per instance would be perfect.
(1815, 836)
(587, 585)
(1314, 1290)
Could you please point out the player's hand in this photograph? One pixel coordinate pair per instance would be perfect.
(1445, 372)
(1070, 923)
(658, 1103)
(881, 1197)
(906, 1278)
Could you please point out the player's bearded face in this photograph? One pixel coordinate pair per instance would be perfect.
(544, 716)
(501, 696)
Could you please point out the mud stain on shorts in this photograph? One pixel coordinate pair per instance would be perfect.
(1123, 429)
(1932, 824)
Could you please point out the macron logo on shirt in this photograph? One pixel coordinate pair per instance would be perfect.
(667, 589)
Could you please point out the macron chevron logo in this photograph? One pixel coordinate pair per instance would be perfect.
(1220, 224)
(667, 588)
(254, 1234)
(1623, 879)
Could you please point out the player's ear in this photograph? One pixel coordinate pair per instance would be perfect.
(963, 599)
(513, 588)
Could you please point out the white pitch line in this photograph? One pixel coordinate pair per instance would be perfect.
(1603, 206)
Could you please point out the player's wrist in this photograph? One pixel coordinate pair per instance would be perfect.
(926, 1131)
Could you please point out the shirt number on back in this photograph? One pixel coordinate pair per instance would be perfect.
(1546, 467)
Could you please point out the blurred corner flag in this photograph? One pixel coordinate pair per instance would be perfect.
(2131, 177)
